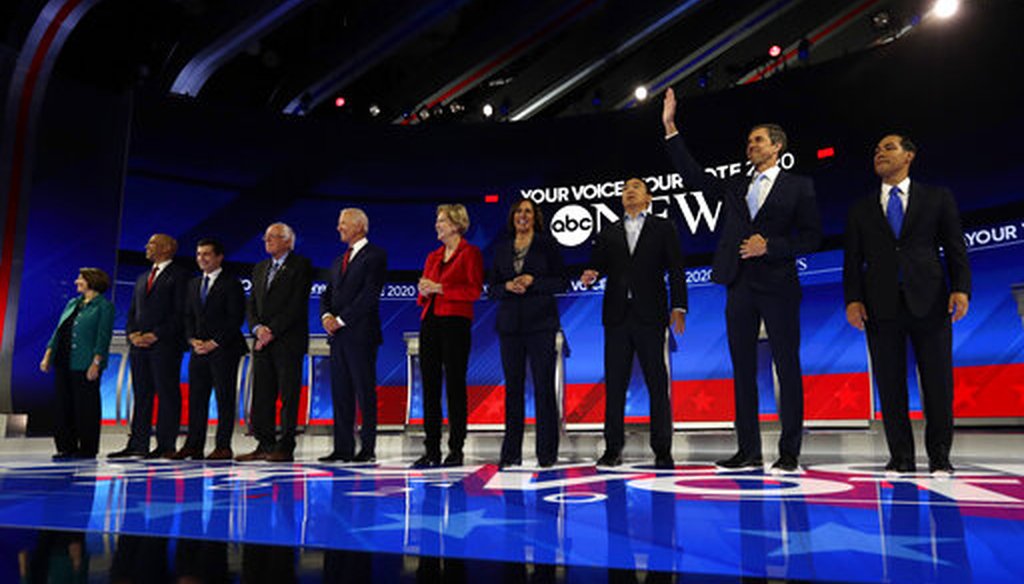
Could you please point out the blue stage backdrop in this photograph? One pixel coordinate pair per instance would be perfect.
(198, 171)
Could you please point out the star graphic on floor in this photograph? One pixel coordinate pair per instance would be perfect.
(161, 509)
(832, 537)
(456, 525)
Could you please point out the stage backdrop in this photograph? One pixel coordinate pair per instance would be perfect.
(195, 172)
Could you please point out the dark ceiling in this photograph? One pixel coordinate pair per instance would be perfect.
(441, 61)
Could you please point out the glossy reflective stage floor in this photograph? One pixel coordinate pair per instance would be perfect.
(844, 519)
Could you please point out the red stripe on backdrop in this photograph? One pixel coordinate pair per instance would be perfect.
(21, 130)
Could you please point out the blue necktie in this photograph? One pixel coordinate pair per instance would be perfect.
(204, 289)
(754, 195)
(894, 211)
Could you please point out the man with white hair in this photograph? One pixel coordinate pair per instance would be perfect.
(350, 315)
(278, 308)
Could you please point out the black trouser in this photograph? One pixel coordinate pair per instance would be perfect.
(156, 372)
(276, 369)
(77, 429)
(932, 339)
(744, 310)
(354, 379)
(539, 349)
(649, 342)
(214, 371)
(444, 351)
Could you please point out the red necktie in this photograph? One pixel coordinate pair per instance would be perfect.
(344, 261)
(152, 276)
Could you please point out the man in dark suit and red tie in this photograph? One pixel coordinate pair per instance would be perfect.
(636, 253)
(278, 317)
(214, 313)
(768, 222)
(896, 289)
(156, 334)
(350, 314)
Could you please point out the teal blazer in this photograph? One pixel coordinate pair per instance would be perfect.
(90, 333)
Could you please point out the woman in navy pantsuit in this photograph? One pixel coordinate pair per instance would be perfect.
(526, 274)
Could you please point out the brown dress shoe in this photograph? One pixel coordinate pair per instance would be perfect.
(221, 454)
(186, 453)
(280, 456)
(253, 456)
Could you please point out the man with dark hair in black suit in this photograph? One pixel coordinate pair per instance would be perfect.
(214, 313)
(636, 253)
(895, 288)
(768, 222)
(278, 318)
(350, 314)
(156, 334)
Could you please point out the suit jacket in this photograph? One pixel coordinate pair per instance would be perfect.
(788, 219)
(462, 280)
(90, 333)
(537, 309)
(355, 295)
(221, 318)
(284, 307)
(642, 273)
(875, 259)
(162, 309)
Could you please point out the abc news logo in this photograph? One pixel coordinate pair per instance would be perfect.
(572, 225)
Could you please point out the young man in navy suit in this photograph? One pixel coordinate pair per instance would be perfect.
(350, 314)
(637, 253)
(214, 313)
(156, 335)
(768, 222)
(895, 288)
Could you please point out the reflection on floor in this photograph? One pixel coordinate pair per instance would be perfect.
(843, 519)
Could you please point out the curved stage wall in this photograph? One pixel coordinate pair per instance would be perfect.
(195, 172)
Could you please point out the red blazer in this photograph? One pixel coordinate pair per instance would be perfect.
(461, 281)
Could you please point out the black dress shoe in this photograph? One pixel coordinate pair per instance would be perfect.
(547, 462)
(901, 466)
(787, 463)
(610, 458)
(664, 462)
(364, 456)
(740, 460)
(63, 456)
(453, 459)
(335, 457)
(280, 456)
(509, 463)
(157, 453)
(427, 461)
(940, 466)
(126, 453)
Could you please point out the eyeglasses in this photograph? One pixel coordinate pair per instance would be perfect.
(274, 236)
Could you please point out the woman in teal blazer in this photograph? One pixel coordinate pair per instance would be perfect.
(77, 353)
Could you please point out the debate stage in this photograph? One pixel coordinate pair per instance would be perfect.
(843, 519)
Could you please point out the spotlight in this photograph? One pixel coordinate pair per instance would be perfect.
(774, 51)
(339, 101)
(374, 110)
(488, 110)
(424, 114)
(945, 8)
(881, 20)
(803, 50)
(456, 107)
(640, 93)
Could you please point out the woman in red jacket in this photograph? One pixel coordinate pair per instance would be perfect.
(452, 280)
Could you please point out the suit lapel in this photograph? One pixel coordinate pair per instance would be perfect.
(878, 216)
(914, 203)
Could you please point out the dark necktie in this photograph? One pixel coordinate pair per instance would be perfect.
(344, 261)
(204, 289)
(152, 278)
(894, 211)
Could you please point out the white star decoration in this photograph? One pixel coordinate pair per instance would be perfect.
(832, 537)
(456, 525)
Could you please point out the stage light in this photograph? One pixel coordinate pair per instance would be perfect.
(945, 8)
(774, 51)
(827, 152)
(339, 101)
(640, 93)
(374, 110)
(491, 198)
(488, 110)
